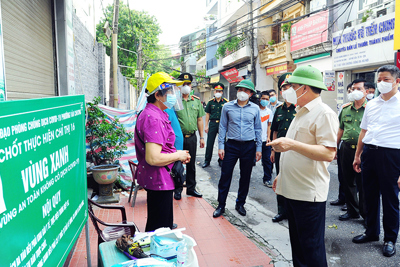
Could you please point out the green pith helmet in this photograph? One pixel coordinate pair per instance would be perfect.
(283, 80)
(308, 75)
(246, 84)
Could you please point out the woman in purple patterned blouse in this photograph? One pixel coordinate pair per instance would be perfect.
(155, 149)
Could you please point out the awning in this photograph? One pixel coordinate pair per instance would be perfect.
(214, 78)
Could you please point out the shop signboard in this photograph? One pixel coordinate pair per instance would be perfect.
(330, 80)
(232, 75)
(309, 31)
(397, 27)
(277, 69)
(367, 44)
(43, 185)
(340, 89)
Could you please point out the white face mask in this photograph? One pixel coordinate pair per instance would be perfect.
(385, 87)
(218, 95)
(370, 96)
(350, 97)
(242, 96)
(291, 96)
(357, 95)
(186, 89)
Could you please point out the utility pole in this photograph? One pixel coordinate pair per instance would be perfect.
(252, 63)
(139, 66)
(114, 58)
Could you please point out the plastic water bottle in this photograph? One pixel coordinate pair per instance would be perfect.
(181, 254)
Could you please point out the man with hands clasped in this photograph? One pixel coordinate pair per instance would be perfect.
(307, 149)
(377, 158)
(241, 125)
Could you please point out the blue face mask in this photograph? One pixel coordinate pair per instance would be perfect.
(264, 103)
(171, 100)
(272, 99)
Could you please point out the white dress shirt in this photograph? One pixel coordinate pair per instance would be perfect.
(382, 121)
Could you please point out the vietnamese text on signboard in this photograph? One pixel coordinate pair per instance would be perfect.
(329, 77)
(43, 190)
(340, 90)
(232, 75)
(277, 69)
(309, 31)
(369, 43)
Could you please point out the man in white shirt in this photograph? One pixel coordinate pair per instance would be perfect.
(379, 146)
(266, 120)
(307, 149)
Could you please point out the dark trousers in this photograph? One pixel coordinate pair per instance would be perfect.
(234, 150)
(160, 211)
(279, 199)
(341, 195)
(213, 127)
(352, 181)
(190, 143)
(380, 172)
(307, 232)
(266, 162)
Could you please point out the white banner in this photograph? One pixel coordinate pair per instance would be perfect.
(366, 44)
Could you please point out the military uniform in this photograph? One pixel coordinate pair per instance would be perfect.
(214, 109)
(192, 110)
(350, 120)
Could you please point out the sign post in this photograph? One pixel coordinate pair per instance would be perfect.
(43, 186)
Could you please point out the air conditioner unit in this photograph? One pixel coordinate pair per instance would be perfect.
(277, 17)
(381, 12)
(347, 25)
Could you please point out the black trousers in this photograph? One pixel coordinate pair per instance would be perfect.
(380, 171)
(307, 232)
(190, 143)
(234, 150)
(341, 195)
(213, 128)
(160, 211)
(352, 181)
(279, 199)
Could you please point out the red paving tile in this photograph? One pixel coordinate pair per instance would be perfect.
(219, 243)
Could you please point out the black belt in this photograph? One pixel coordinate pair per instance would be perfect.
(188, 135)
(379, 147)
(350, 145)
(217, 121)
(241, 142)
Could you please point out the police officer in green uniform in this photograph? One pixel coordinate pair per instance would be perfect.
(213, 114)
(190, 120)
(349, 130)
(284, 114)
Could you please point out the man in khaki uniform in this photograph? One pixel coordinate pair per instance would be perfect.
(307, 149)
(190, 119)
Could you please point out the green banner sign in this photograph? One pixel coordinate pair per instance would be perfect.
(43, 186)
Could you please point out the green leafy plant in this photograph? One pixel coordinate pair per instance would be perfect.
(367, 14)
(107, 140)
(271, 43)
(286, 27)
(229, 46)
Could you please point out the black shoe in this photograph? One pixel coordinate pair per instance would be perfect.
(240, 209)
(194, 193)
(389, 249)
(218, 212)
(279, 217)
(364, 239)
(205, 164)
(178, 195)
(337, 202)
(344, 208)
(347, 216)
(220, 163)
(174, 226)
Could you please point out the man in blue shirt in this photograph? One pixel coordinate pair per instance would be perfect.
(241, 124)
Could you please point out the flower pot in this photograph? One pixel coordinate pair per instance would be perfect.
(105, 176)
(286, 36)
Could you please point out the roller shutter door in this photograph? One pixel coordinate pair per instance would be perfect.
(28, 48)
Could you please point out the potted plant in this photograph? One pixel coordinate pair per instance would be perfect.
(107, 141)
(286, 30)
(270, 45)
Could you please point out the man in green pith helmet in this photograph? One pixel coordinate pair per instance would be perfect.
(241, 125)
(213, 115)
(190, 120)
(309, 146)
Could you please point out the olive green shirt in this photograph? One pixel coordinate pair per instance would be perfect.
(192, 110)
(350, 120)
(214, 108)
(282, 118)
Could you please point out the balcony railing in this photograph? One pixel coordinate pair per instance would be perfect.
(275, 54)
(241, 44)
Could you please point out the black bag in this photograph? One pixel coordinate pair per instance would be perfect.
(177, 170)
(177, 173)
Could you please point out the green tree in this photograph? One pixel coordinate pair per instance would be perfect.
(130, 29)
